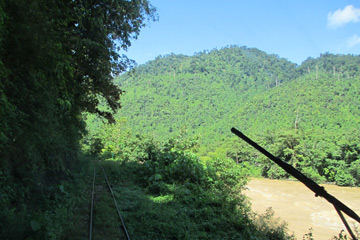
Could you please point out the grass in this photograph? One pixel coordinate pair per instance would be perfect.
(177, 211)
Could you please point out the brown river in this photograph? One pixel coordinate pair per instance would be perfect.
(294, 203)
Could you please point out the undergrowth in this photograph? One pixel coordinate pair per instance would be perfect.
(163, 192)
(166, 192)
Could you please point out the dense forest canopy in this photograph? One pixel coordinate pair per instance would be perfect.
(292, 109)
(220, 85)
(170, 148)
(57, 60)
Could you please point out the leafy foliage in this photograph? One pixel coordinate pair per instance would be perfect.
(340, 66)
(306, 115)
(57, 60)
(200, 91)
(176, 195)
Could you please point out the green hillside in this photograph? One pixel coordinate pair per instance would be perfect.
(318, 102)
(212, 91)
(198, 92)
(263, 95)
(58, 101)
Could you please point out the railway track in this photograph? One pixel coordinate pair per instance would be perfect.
(102, 194)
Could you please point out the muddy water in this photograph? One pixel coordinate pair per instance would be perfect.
(297, 205)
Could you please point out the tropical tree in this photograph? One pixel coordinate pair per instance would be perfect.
(58, 59)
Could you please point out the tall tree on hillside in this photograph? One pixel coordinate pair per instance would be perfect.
(57, 60)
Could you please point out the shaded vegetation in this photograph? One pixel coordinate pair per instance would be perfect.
(57, 60)
(166, 192)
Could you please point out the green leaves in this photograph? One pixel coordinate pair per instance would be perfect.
(62, 188)
(35, 225)
(57, 60)
(304, 115)
(323, 158)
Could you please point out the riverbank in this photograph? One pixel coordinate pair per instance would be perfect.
(294, 203)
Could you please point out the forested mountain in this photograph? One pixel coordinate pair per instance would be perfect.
(261, 94)
(211, 91)
(342, 66)
(57, 62)
(200, 91)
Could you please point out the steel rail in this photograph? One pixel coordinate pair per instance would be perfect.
(313, 186)
(116, 205)
(92, 206)
(93, 203)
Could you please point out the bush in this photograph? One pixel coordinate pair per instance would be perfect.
(355, 171)
(344, 179)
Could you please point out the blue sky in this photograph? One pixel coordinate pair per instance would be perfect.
(292, 29)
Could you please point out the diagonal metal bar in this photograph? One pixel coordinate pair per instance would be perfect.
(345, 223)
(313, 186)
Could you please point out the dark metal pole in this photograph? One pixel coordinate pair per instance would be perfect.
(313, 186)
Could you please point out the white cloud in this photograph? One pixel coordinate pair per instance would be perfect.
(353, 41)
(343, 16)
